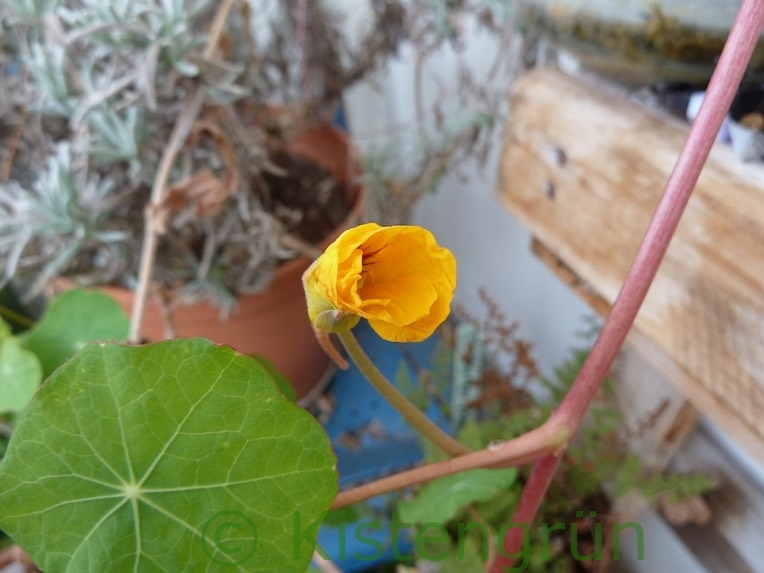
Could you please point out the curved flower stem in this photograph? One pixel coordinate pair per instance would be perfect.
(16, 318)
(411, 413)
(547, 440)
(721, 89)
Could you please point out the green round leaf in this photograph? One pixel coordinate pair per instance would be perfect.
(73, 319)
(20, 376)
(178, 456)
(281, 381)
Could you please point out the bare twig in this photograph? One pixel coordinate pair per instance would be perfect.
(151, 235)
(181, 130)
(216, 29)
(12, 146)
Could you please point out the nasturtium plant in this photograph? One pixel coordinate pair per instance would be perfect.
(176, 456)
(74, 318)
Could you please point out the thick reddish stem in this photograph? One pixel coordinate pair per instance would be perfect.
(514, 544)
(722, 87)
(721, 90)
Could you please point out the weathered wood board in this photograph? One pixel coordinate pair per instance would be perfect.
(656, 416)
(583, 169)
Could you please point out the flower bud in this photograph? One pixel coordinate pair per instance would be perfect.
(335, 321)
(398, 278)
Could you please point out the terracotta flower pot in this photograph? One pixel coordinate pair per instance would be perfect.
(274, 323)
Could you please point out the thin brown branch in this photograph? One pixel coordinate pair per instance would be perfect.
(216, 29)
(12, 147)
(182, 128)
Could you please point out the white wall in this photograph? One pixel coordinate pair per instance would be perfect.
(492, 250)
(465, 214)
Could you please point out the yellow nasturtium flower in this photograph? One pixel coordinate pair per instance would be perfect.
(398, 278)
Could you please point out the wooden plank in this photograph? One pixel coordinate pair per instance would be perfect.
(585, 291)
(583, 168)
(656, 416)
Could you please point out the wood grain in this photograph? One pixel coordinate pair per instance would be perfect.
(657, 417)
(583, 168)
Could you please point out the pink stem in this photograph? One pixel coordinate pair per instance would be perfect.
(533, 494)
(721, 89)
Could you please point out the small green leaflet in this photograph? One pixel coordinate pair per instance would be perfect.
(442, 499)
(5, 330)
(74, 318)
(20, 375)
(179, 456)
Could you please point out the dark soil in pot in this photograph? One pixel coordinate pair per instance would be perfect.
(308, 200)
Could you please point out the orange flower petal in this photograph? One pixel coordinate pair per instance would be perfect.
(398, 278)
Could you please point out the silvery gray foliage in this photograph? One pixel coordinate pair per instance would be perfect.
(102, 67)
(96, 87)
(59, 212)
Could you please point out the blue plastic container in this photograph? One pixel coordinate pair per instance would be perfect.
(372, 440)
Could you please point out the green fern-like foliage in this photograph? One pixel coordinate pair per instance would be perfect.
(597, 461)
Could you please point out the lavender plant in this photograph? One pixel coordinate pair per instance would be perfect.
(96, 87)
